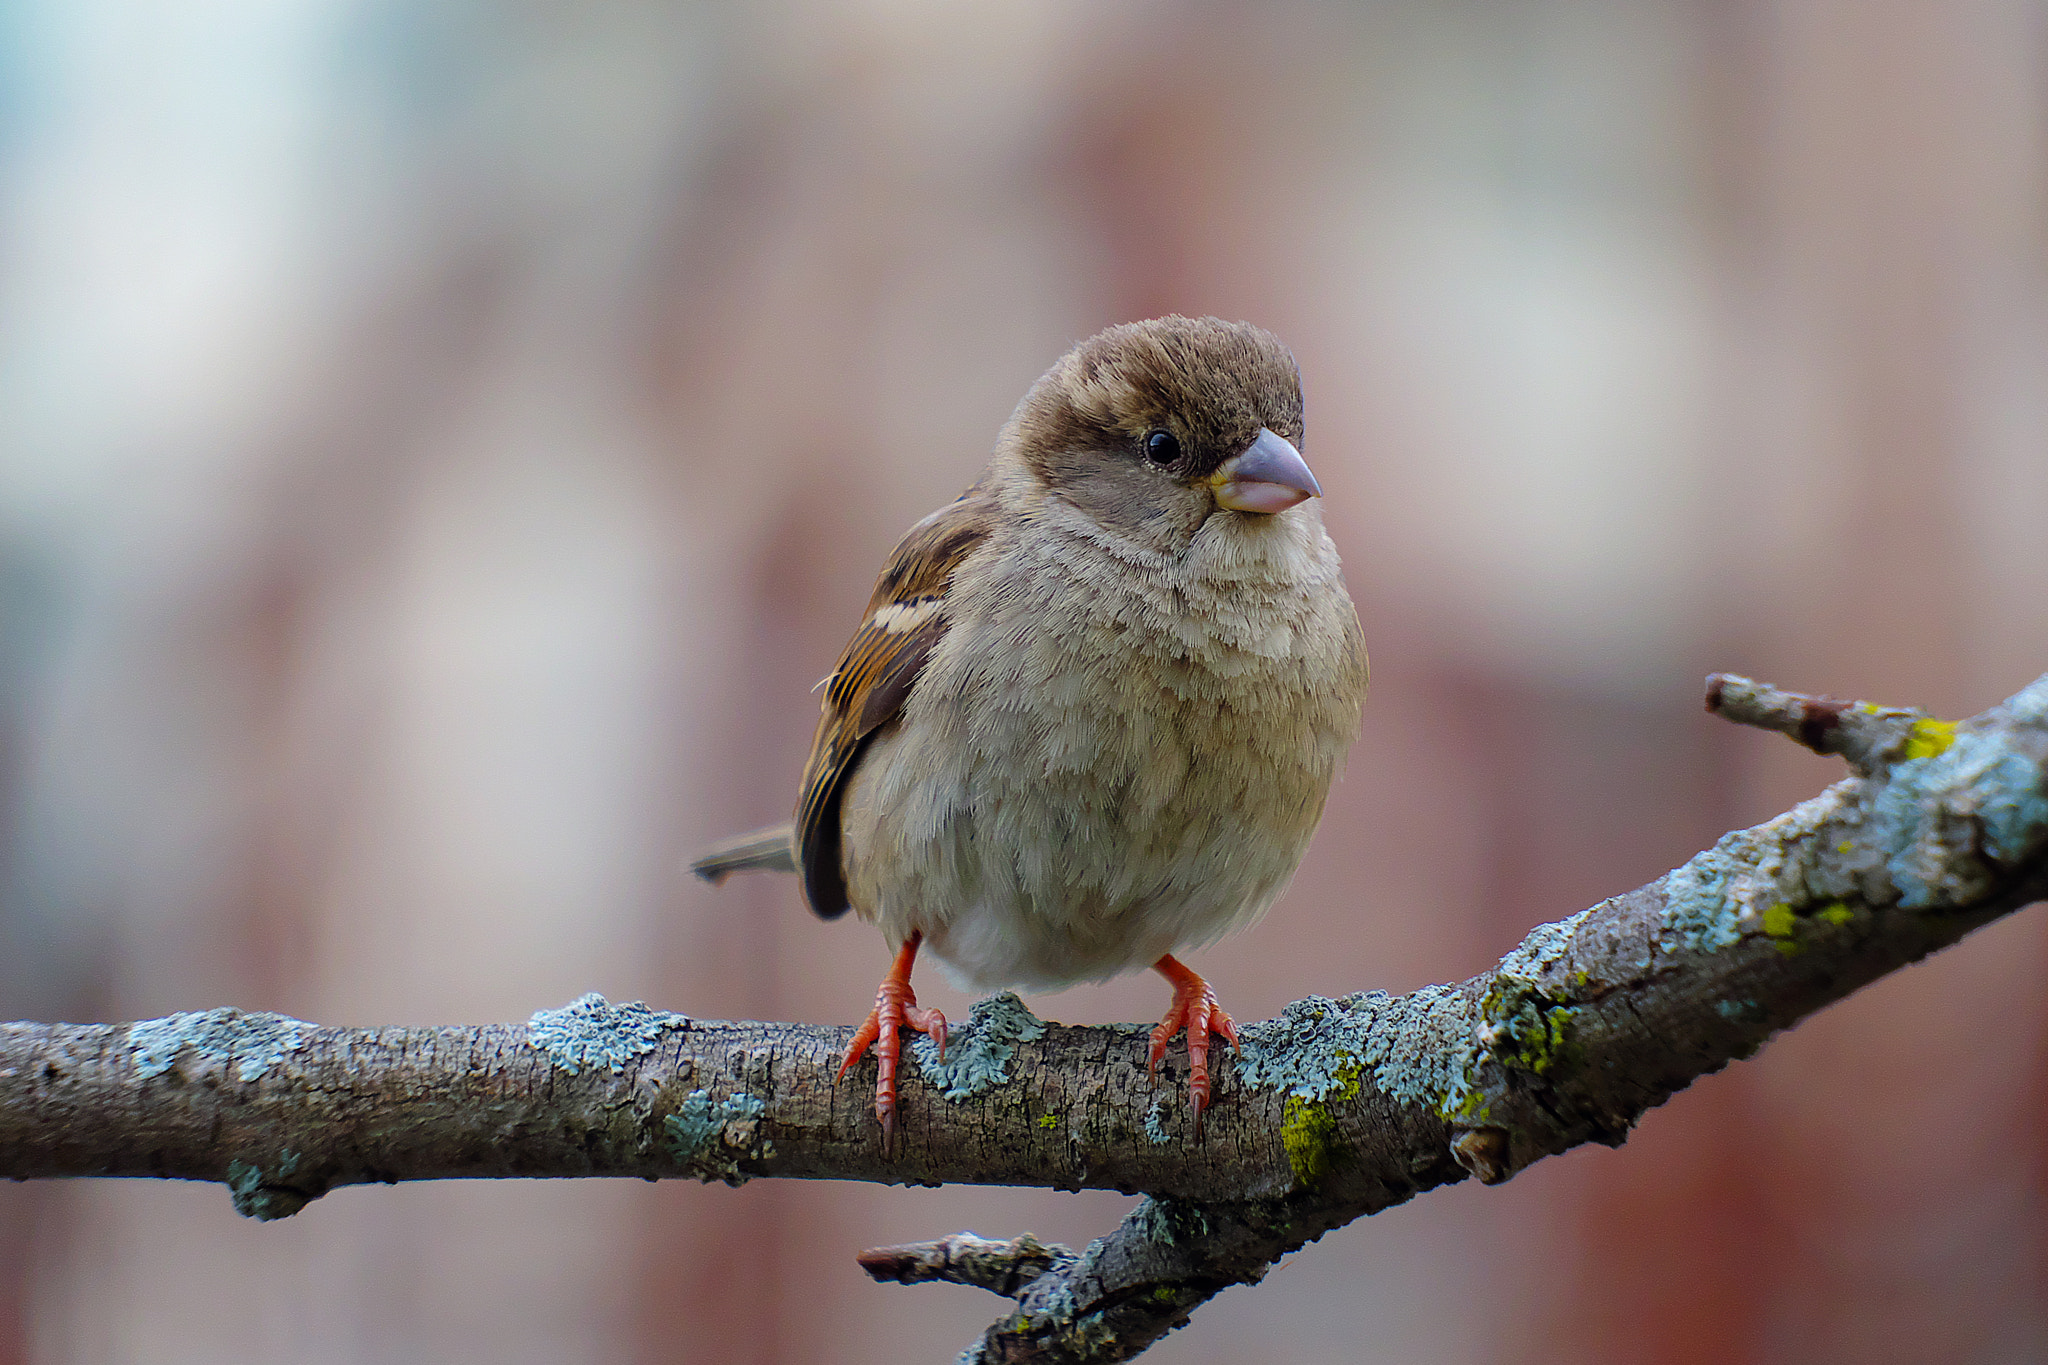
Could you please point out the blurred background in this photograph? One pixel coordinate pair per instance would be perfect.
(445, 441)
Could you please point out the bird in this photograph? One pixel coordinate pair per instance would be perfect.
(1096, 704)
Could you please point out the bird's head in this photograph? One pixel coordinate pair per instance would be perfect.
(1152, 428)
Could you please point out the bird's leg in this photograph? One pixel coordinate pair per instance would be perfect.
(895, 1010)
(1194, 1008)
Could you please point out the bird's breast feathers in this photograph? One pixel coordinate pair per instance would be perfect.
(1082, 781)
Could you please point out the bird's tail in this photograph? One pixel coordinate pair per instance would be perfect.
(766, 850)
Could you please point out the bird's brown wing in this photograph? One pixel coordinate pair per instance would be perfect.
(906, 619)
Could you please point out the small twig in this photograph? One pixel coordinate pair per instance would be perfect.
(1006, 1268)
(1869, 738)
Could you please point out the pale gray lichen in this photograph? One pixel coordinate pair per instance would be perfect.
(2013, 809)
(254, 1198)
(1419, 1047)
(592, 1032)
(978, 1052)
(701, 1120)
(1722, 894)
(1422, 1048)
(1545, 945)
(1937, 818)
(1155, 1132)
(1424, 1052)
(2029, 705)
(1695, 896)
(255, 1042)
(1309, 1049)
(1165, 1221)
(710, 1136)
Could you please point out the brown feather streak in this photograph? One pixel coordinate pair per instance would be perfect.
(872, 682)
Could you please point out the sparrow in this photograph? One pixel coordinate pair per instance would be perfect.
(1096, 704)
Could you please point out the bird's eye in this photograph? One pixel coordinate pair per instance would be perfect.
(1162, 448)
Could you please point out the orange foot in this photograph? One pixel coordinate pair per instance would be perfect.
(895, 1011)
(1194, 1008)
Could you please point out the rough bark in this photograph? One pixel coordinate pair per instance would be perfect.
(1335, 1110)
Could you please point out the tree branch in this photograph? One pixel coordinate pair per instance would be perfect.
(1006, 1268)
(1337, 1109)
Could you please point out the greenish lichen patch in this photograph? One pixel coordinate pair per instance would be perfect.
(253, 1043)
(711, 1137)
(1781, 924)
(1786, 924)
(1527, 1016)
(1310, 1135)
(1738, 1009)
(1530, 1031)
(592, 1032)
(1928, 738)
(258, 1196)
(978, 1052)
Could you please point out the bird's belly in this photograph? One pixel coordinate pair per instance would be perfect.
(1073, 843)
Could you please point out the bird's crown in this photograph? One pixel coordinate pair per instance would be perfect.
(1208, 384)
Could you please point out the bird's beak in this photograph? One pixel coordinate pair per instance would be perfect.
(1267, 476)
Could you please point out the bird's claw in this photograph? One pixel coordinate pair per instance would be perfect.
(895, 1013)
(1194, 1009)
